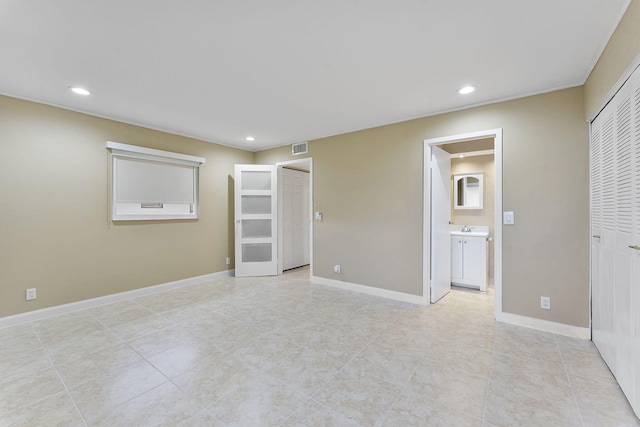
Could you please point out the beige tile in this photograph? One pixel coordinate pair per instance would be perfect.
(305, 369)
(407, 337)
(313, 414)
(203, 419)
(568, 343)
(412, 410)
(63, 321)
(264, 351)
(549, 381)
(211, 382)
(508, 405)
(28, 389)
(164, 405)
(98, 397)
(359, 396)
(514, 345)
(83, 346)
(127, 314)
(103, 363)
(392, 364)
(141, 327)
(161, 340)
(71, 332)
(449, 387)
(602, 403)
(226, 334)
(18, 339)
(339, 344)
(291, 339)
(259, 401)
(56, 410)
(588, 364)
(17, 365)
(162, 302)
(181, 358)
(468, 358)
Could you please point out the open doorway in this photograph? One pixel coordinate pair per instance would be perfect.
(481, 150)
(295, 225)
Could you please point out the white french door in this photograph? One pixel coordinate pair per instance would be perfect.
(440, 223)
(256, 220)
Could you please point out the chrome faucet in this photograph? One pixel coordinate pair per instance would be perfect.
(466, 229)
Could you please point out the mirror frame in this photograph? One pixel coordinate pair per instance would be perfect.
(458, 176)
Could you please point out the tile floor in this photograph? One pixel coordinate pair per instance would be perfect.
(284, 352)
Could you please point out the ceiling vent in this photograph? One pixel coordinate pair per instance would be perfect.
(299, 148)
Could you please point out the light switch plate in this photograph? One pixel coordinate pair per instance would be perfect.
(509, 218)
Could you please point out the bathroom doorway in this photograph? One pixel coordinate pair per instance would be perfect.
(470, 154)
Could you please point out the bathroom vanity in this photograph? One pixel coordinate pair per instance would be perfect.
(469, 257)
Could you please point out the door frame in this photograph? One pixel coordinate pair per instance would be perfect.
(496, 134)
(307, 162)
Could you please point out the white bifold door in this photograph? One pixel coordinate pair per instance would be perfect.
(615, 241)
(256, 220)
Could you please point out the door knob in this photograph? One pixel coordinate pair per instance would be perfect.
(597, 236)
(237, 221)
(637, 248)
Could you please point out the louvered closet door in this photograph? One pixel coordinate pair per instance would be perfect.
(635, 255)
(615, 212)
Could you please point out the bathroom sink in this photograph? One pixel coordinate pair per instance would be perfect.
(470, 233)
(475, 231)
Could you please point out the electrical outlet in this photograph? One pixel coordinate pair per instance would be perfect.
(228, 261)
(337, 268)
(545, 302)
(31, 294)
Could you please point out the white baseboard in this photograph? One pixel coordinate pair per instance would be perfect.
(385, 293)
(30, 316)
(545, 326)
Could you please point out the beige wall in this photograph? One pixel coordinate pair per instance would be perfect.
(368, 184)
(622, 49)
(55, 234)
(484, 216)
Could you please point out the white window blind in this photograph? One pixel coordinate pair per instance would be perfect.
(150, 184)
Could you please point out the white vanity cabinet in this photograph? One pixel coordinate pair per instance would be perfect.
(469, 260)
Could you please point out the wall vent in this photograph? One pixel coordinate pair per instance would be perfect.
(299, 148)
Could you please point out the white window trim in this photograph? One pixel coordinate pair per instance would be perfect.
(119, 150)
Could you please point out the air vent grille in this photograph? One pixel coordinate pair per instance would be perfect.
(299, 148)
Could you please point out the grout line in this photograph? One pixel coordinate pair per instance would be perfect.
(566, 372)
(64, 384)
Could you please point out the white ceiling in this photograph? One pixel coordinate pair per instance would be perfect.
(287, 71)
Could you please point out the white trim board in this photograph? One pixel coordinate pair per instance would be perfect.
(43, 313)
(369, 290)
(545, 326)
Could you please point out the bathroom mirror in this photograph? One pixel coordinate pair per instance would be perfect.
(467, 190)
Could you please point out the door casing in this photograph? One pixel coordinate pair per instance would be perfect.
(304, 163)
(496, 134)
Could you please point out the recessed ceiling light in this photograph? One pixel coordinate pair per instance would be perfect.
(79, 90)
(250, 138)
(461, 156)
(466, 90)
